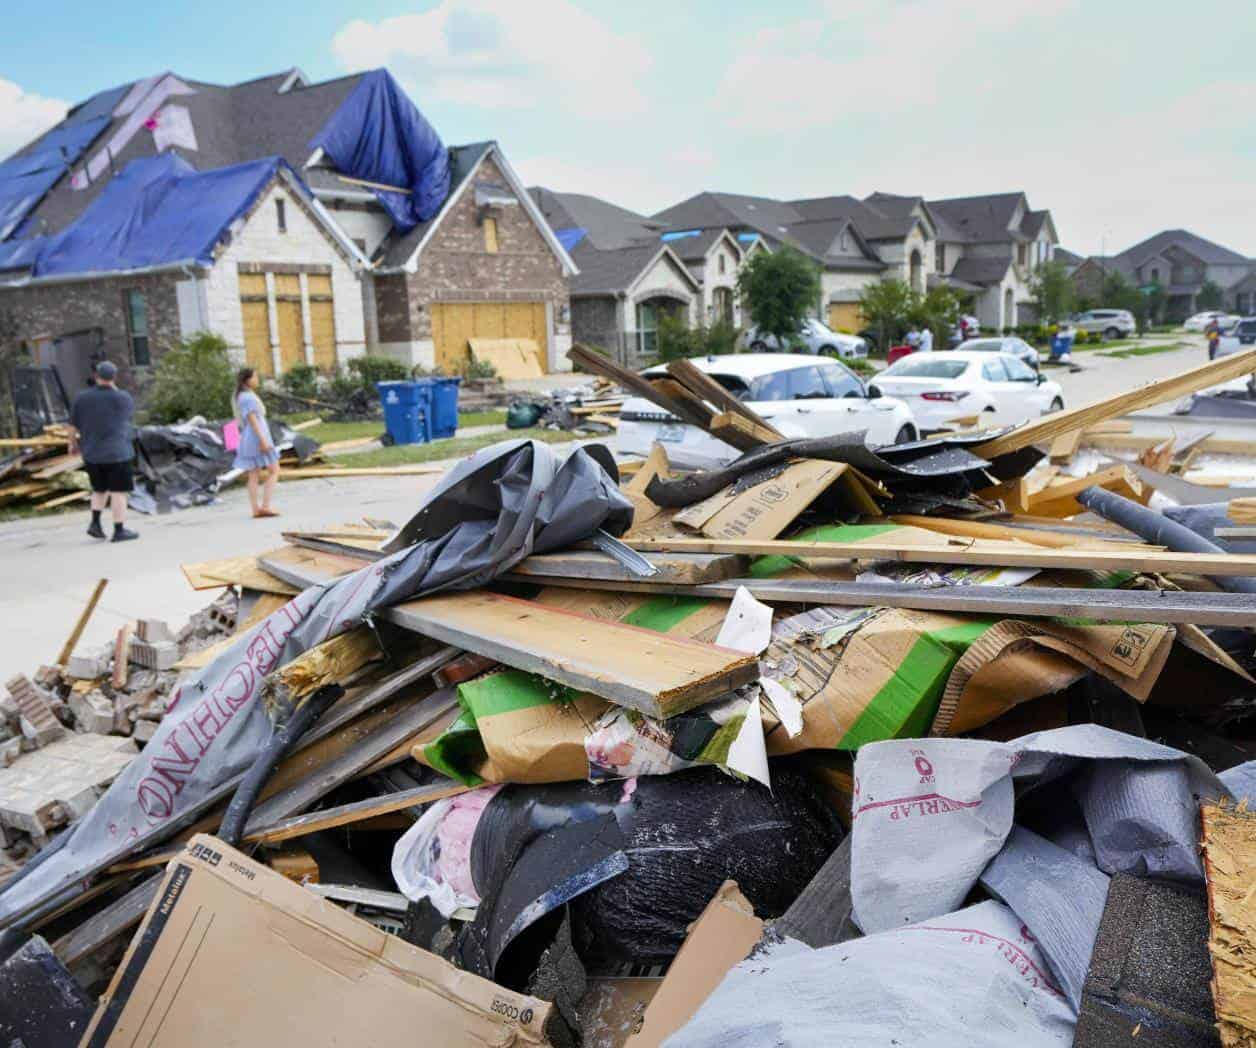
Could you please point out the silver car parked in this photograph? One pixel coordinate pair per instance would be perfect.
(817, 337)
(1110, 323)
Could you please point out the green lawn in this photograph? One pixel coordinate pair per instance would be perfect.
(1144, 351)
(328, 432)
(454, 447)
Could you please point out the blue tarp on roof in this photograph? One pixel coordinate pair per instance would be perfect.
(680, 234)
(25, 179)
(378, 135)
(21, 254)
(570, 236)
(156, 211)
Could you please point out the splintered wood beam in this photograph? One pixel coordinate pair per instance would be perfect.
(1229, 850)
(328, 663)
(978, 552)
(641, 669)
(1045, 429)
(736, 429)
(703, 385)
(358, 811)
(67, 649)
(595, 362)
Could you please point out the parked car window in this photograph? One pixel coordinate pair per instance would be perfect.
(1017, 345)
(806, 384)
(738, 387)
(992, 370)
(929, 368)
(984, 345)
(1018, 370)
(840, 382)
(771, 387)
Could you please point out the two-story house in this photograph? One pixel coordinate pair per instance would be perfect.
(270, 213)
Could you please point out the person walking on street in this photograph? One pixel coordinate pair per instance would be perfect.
(913, 338)
(102, 432)
(1213, 331)
(256, 452)
(926, 339)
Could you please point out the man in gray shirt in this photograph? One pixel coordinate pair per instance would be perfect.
(102, 433)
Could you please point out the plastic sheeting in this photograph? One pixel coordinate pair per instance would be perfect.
(970, 979)
(570, 236)
(215, 726)
(157, 211)
(379, 135)
(25, 179)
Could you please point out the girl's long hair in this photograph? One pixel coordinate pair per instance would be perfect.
(243, 376)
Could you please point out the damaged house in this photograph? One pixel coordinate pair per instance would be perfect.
(306, 223)
(634, 270)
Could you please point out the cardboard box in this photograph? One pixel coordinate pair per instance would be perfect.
(232, 953)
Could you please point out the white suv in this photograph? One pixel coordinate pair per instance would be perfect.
(1111, 323)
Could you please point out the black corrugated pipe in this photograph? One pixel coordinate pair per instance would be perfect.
(1158, 529)
(276, 748)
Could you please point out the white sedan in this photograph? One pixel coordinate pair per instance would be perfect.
(941, 387)
(801, 396)
(1201, 320)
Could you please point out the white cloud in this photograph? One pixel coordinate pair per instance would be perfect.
(24, 116)
(546, 54)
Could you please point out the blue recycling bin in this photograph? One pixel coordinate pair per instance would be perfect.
(444, 406)
(407, 411)
(1061, 345)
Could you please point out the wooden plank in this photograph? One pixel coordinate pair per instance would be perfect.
(1065, 446)
(1242, 511)
(64, 500)
(1229, 851)
(1048, 427)
(121, 657)
(234, 571)
(33, 442)
(980, 529)
(330, 662)
(703, 385)
(346, 445)
(358, 811)
(110, 922)
(733, 429)
(641, 669)
(1059, 499)
(605, 420)
(977, 552)
(309, 423)
(303, 795)
(595, 362)
(1204, 608)
(590, 564)
(55, 467)
(67, 649)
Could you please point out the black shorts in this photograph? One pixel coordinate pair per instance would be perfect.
(109, 476)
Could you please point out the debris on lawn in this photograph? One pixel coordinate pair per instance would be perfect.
(828, 745)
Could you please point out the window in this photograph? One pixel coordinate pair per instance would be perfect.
(723, 261)
(137, 326)
(1155, 274)
(490, 235)
(281, 216)
(736, 386)
(992, 370)
(806, 384)
(647, 328)
(939, 257)
(840, 382)
(927, 368)
(772, 387)
(1021, 254)
(1018, 370)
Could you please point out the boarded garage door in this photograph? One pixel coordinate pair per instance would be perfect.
(322, 322)
(455, 322)
(845, 316)
(256, 317)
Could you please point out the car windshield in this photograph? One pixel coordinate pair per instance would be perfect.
(736, 386)
(985, 345)
(927, 369)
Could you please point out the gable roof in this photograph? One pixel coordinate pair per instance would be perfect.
(1206, 251)
(402, 251)
(614, 272)
(606, 226)
(694, 245)
(770, 217)
(981, 271)
(977, 219)
(1069, 258)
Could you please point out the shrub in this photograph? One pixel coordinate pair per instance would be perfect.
(478, 369)
(370, 370)
(862, 367)
(678, 341)
(196, 378)
(301, 380)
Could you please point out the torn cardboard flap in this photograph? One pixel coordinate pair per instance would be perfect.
(232, 952)
(721, 937)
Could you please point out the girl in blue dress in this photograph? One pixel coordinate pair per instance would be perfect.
(256, 452)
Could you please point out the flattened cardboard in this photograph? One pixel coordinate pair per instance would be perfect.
(723, 936)
(232, 953)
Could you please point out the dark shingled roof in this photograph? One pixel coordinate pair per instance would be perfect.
(1205, 250)
(607, 226)
(610, 272)
(233, 124)
(872, 222)
(983, 271)
(1069, 258)
(976, 220)
(694, 248)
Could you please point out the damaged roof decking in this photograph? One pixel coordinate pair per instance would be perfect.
(232, 124)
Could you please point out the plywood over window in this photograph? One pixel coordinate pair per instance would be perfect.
(453, 323)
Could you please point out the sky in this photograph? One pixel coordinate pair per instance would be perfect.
(1122, 117)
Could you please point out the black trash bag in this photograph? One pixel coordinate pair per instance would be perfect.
(637, 862)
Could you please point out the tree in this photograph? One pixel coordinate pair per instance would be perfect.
(1210, 296)
(1119, 293)
(678, 341)
(779, 289)
(886, 305)
(195, 378)
(1052, 290)
(938, 310)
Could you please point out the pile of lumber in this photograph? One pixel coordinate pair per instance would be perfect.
(40, 472)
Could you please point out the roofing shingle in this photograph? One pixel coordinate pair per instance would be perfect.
(607, 226)
(981, 271)
(610, 272)
(1205, 250)
(977, 219)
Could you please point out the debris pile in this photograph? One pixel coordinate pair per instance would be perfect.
(592, 409)
(829, 745)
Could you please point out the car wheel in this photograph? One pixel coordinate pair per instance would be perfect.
(830, 351)
(905, 435)
(1056, 405)
(1111, 333)
(759, 346)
